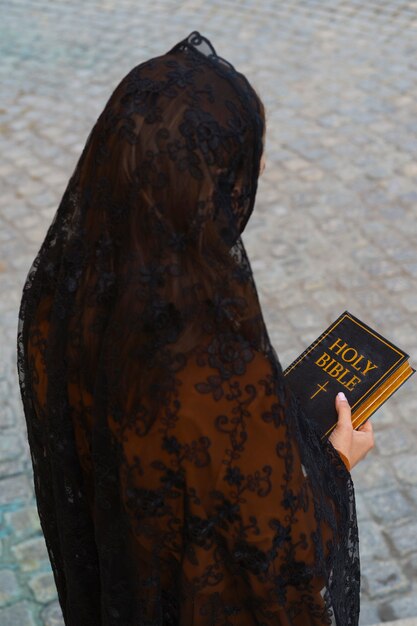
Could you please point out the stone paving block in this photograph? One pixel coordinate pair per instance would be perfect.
(403, 606)
(368, 613)
(9, 586)
(19, 614)
(23, 522)
(390, 507)
(31, 554)
(389, 315)
(15, 488)
(404, 538)
(43, 586)
(372, 543)
(383, 577)
(373, 474)
(412, 492)
(303, 318)
(386, 416)
(13, 467)
(393, 441)
(405, 468)
(401, 622)
(52, 615)
(408, 410)
(10, 446)
(410, 568)
(402, 334)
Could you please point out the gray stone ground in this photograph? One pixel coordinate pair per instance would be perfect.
(334, 227)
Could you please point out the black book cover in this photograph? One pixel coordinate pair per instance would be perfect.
(348, 356)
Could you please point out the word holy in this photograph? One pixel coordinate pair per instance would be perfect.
(341, 372)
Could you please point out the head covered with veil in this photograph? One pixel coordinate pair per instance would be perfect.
(177, 479)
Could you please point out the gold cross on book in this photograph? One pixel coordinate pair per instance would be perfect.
(320, 388)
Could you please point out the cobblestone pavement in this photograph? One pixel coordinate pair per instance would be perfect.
(334, 227)
(401, 622)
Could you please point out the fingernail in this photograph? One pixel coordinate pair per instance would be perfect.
(341, 395)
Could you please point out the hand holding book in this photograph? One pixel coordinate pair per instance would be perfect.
(352, 445)
(348, 356)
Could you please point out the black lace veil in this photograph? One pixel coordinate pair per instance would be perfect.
(177, 479)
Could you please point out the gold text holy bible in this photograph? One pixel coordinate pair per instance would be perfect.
(348, 356)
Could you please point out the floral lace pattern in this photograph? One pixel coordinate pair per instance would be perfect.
(177, 479)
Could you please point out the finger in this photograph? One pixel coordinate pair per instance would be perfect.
(366, 427)
(367, 431)
(344, 411)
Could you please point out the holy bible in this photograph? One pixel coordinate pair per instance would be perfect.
(348, 356)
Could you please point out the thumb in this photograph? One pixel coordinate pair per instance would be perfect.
(344, 412)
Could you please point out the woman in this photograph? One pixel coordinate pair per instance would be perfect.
(177, 479)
